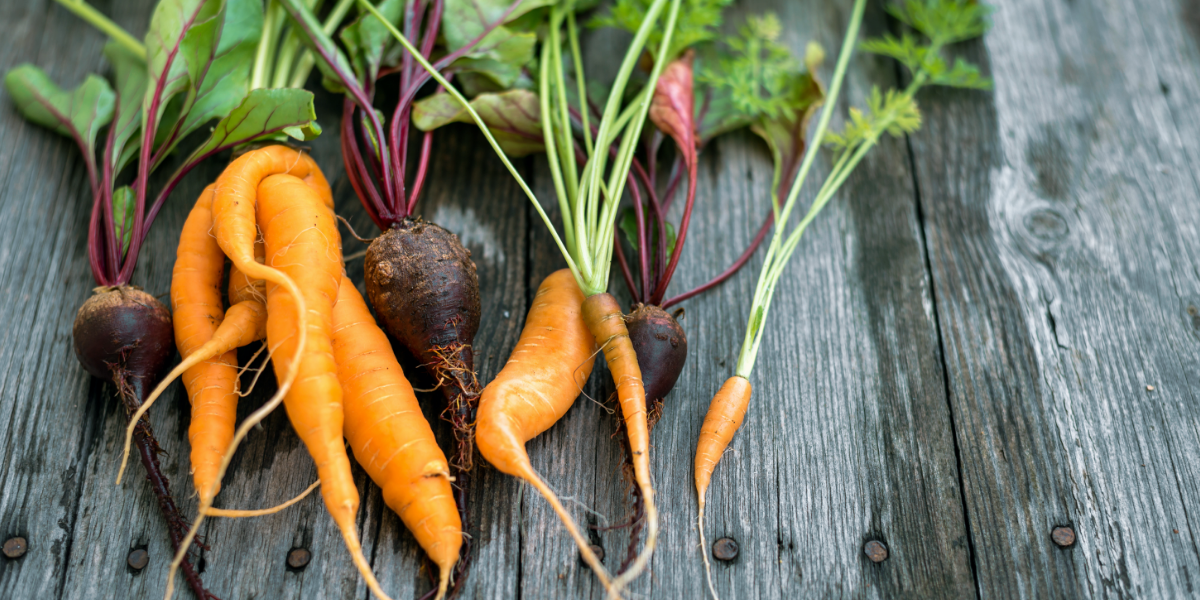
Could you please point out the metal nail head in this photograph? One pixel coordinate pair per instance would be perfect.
(138, 559)
(725, 549)
(876, 551)
(15, 547)
(298, 558)
(1064, 537)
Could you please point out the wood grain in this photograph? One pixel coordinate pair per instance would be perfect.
(1061, 235)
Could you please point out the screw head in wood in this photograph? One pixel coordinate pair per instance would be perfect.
(138, 559)
(1064, 537)
(876, 550)
(15, 547)
(298, 558)
(725, 549)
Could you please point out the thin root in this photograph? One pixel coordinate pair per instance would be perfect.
(232, 513)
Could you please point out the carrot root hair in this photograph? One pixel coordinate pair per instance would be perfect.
(261, 512)
(712, 589)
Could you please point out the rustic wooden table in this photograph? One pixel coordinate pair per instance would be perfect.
(993, 332)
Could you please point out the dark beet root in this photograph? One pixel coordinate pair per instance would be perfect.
(124, 335)
(123, 328)
(425, 291)
(661, 347)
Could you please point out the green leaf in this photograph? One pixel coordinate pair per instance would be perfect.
(514, 117)
(167, 68)
(130, 71)
(699, 21)
(219, 53)
(501, 54)
(78, 114)
(367, 40)
(749, 79)
(906, 49)
(264, 114)
(124, 202)
(944, 21)
(628, 225)
(786, 132)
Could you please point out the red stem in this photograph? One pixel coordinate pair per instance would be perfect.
(727, 273)
(680, 237)
(624, 266)
(422, 169)
(356, 170)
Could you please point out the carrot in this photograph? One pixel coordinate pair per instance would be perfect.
(724, 417)
(390, 437)
(539, 383)
(302, 240)
(302, 243)
(605, 320)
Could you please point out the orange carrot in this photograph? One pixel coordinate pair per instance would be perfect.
(302, 243)
(724, 417)
(605, 320)
(390, 437)
(539, 383)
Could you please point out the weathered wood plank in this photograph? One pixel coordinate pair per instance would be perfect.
(1062, 246)
(50, 418)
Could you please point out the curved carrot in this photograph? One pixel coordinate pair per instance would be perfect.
(389, 435)
(302, 241)
(724, 417)
(541, 380)
(605, 320)
(234, 206)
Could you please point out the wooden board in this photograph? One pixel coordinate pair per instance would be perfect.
(956, 362)
(1062, 234)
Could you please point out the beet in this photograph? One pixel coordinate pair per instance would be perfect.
(661, 347)
(124, 335)
(124, 329)
(425, 291)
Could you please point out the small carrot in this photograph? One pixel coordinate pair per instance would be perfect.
(539, 383)
(389, 435)
(725, 415)
(605, 320)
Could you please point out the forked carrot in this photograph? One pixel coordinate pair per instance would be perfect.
(302, 243)
(389, 435)
(539, 383)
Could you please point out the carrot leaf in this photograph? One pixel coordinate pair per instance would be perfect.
(513, 116)
(699, 21)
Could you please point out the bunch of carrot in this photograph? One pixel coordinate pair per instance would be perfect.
(337, 373)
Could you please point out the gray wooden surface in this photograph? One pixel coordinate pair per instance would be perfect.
(958, 359)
